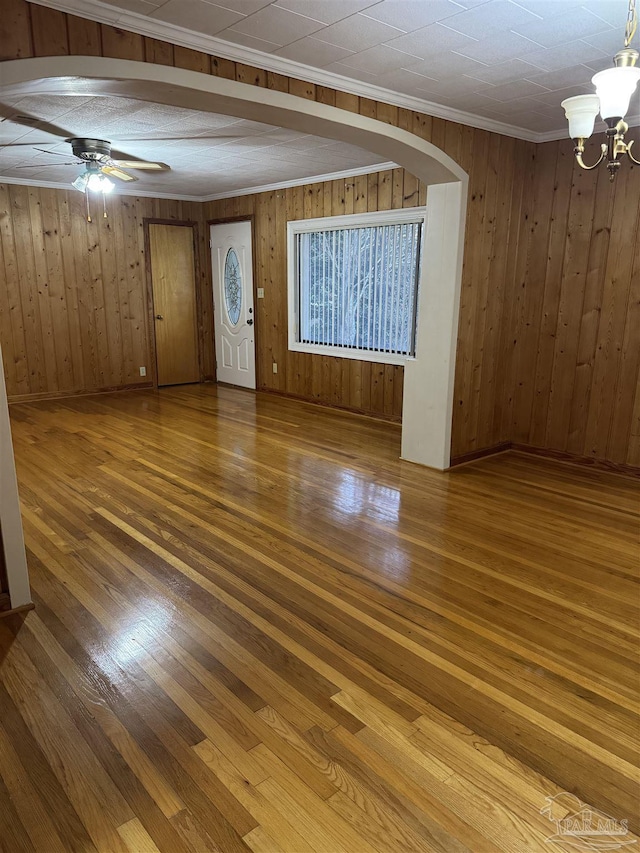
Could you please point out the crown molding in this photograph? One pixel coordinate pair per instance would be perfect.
(263, 188)
(58, 185)
(300, 182)
(94, 10)
(552, 136)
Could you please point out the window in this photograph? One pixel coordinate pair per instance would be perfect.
(353, 285)
(232, 287)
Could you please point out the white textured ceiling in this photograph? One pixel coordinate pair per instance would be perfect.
(502, 60)
(499, 60)
(208, 154)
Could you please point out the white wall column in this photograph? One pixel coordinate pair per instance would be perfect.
(427, 408)
(10, 519)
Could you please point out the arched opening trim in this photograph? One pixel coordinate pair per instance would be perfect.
(429, 378)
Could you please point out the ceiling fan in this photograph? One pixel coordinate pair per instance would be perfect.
(99, 165)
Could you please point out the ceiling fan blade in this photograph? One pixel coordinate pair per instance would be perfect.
(17, 116)
(117, 173)
(31, 145)
(141, 164)
(55, 153)
(46, 165)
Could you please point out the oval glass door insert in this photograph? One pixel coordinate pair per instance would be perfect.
(232, 287)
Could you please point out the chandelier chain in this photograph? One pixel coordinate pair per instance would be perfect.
(632, 23)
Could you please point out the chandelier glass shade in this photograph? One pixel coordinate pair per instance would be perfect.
(615, 88)
(581, 113)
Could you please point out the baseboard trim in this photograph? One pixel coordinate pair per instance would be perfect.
(61, 395)
(376, 416)
(575, 459)
(13, 612)
(545, 453)
(235, 387)
(475, 455)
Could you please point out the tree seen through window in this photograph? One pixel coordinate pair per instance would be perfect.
(358, 287)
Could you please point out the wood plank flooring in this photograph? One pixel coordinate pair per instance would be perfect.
(257, 629)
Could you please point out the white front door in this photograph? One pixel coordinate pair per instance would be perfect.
(232, 265)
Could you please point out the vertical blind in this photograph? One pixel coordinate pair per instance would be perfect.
(358, 287)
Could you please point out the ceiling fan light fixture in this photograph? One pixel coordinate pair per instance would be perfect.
(98, 183)
(81, 182)
(94, 181)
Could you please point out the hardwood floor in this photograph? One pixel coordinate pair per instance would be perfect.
(256, 628)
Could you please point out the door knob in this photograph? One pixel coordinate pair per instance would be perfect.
(159, 317)
(249, 322)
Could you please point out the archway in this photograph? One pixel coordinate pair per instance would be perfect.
(429, 377)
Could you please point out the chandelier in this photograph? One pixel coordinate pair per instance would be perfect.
(614, 89)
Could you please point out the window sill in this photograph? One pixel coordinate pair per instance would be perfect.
(353, 354)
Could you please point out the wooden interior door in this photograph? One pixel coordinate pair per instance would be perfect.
(174, 303)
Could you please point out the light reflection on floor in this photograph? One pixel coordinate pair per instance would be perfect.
(355, 496)
(130, 641)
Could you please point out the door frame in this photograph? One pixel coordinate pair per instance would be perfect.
(225, 220)
(153, 351)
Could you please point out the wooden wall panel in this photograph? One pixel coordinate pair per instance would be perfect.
(49, 30)
(73, 308)
(16, 41)
(85, 37)
(577, 330)
(548, 343)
